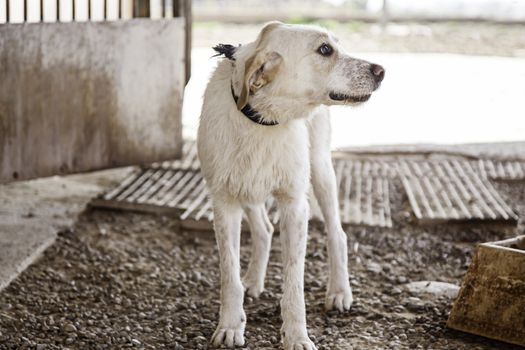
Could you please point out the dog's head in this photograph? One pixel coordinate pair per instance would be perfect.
(300, 63)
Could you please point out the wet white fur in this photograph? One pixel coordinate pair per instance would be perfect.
(245, 163)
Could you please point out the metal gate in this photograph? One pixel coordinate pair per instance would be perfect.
(88, 84)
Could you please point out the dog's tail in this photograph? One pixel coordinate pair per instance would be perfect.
(225, 49)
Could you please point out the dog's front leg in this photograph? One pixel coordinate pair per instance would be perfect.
(294, 226)
(339, 292)
(227, 223)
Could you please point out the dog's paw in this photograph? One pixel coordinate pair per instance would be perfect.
(252, 288)
(340, 300)
(299, 344)
(230, 337)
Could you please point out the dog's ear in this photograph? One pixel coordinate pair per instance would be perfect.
(260, 68)
(259, 71)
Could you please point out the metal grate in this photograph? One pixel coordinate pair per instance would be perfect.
(452, 191)
(363, 199)
(437, 190)
(363, 188)
(502, 170)
(177, 187)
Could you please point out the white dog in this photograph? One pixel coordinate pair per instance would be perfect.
(265, 131)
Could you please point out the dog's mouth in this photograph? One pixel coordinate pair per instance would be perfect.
(349, 98)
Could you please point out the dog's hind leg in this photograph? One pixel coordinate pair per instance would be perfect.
(261, 230)
(227, 224)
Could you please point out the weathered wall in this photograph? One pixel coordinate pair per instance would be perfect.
(84, 96)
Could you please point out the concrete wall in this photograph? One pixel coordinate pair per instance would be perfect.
(82, 96)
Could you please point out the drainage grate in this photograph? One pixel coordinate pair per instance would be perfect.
(363, 192)
(502, 170)
(177, 187)
(451, 191)
(363, 196)
(437, 190)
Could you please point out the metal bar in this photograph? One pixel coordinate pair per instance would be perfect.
(465, 187)
(175, 190)
(381, 215)
(119, 15)
(404, 173)
(468, 180)
(441, 190)
(89, 10)
(519, 171)
(369, 193)
(206, 208)
(105, 9)
(7, 11)
(58, 11)
(358, 198)
(386, 192)
(195, 179)
(117, 190)
(145, 186)
(496, 201)
(430, 190)
(194, 194)
(448, 182)
(143, 177)
(197, 202)
(339, 166)
(25, 10)
(74, 11)
(347, 175)
(166, 187)
(167, 174)
(41, 10)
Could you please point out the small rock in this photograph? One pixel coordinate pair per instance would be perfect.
(70, 328)
(135, 342)
(201, 339)
(373, 267)
(432, 287)
(395, 291)
(402, 279)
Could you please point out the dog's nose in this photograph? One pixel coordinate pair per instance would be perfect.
(378, 72)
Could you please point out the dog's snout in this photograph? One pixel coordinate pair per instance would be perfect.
(378, 72)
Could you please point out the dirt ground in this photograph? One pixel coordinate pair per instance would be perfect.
(120, 280)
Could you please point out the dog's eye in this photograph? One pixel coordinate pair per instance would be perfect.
(325, 50)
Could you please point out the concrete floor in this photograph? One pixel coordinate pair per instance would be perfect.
(425, 98)
(33, 212)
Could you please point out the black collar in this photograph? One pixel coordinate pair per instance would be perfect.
(251, 113)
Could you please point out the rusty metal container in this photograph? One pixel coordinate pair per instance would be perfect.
(491, 301)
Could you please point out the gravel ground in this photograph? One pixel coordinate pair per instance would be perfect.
(122, 280)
